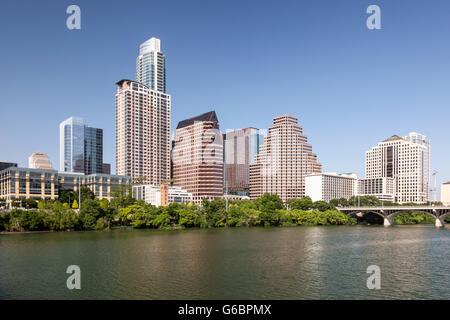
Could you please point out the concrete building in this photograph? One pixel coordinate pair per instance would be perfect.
(197, 156)
(329, 186)
(284, 160)
(81, 147)
(241, 146)
(151, 65)
(25, 183)
(39, 161)
(161, 195)
(4, 165)
(406, 160)
(142, 133)
(445, 193)
(382, 188)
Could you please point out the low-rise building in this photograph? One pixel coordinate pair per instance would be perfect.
(162, 195)
(329, 186)
(25, 183)
(445, 193)
(382, 188)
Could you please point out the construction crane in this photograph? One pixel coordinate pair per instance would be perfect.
(434, 174)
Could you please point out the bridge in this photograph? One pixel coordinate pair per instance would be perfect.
(388, 213)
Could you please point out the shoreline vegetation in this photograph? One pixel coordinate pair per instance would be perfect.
(124, 211)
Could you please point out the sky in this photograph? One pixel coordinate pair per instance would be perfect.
(350, 87)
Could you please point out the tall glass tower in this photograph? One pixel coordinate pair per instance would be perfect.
(151, 65)
(81, 147)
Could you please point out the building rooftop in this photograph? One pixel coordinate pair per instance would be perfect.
(393, 138)
(446, 182)
(208, 116)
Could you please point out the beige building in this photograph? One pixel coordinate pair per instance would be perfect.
(445, 193)
(283, 162)
(27, 183)
(142, 133)
(405, 160)
(197, 157)
(161, 195)
(39, 161)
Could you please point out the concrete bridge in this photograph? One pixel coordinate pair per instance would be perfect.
(388, 213)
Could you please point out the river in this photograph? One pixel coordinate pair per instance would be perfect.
(236, 263)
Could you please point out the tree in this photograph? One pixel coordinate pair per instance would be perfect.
(75, 204)
(322, 206)
(65, 196)
(269, 203)
(122, 197)
(86, 194)
(304, 203)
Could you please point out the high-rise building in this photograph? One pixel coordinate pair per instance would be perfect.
(241, 146)
(142, 133)
(406, 160)
(151, 65)
(106, 168)
(198, 156)
(283, 162)
(81, 147)
(39, 161)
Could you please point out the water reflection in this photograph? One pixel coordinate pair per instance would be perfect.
(254, 263)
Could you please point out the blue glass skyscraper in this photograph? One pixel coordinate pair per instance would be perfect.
(81, 147)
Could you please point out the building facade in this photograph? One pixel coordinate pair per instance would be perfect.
(445, 193)
(284, 160)
(382, 188)
(4, 165)
(151, 65)
(39, 161)
(405, 160)
(329, 186)
(26, 183)
(81, 147)
(241, 147)
(161, 195)
(142, 133)
(197, 156)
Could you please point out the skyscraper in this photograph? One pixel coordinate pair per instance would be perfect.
(406, 160)
(283, 162)
(142, 133)
(198, 156)
(81, 147)
(151, 65)
(241, 146)
(39, 161)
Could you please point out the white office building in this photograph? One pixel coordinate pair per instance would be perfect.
(329, 185)
(151, 65)
(382, 188)
(405, 160)
(152, 194)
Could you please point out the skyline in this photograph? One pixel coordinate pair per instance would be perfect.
(306, 95)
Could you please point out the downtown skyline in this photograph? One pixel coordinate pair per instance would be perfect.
(354, 120)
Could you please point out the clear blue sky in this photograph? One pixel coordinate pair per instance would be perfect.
(349, 86)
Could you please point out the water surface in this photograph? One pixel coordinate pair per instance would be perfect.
(241, 263)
